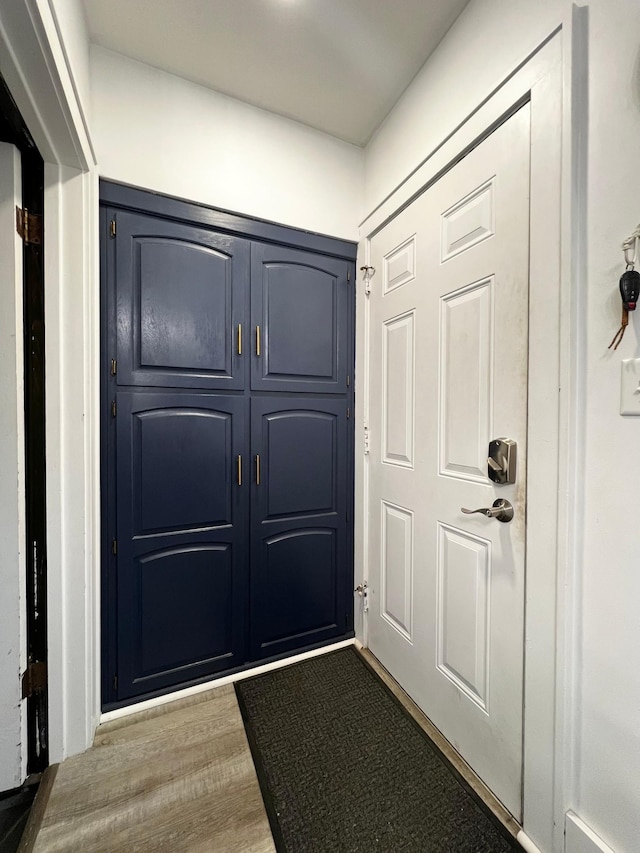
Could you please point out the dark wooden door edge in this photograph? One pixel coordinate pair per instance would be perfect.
(14, 130)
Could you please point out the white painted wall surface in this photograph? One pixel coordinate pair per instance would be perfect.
(489, 40)
(71, 23)
(160, 132)
(608, 737)
(13, 576)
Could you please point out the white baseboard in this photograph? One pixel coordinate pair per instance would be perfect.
(219, 682)
(579, 838)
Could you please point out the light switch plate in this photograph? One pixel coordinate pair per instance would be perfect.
(630, 387)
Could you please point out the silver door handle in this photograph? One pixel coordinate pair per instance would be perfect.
(501, 510)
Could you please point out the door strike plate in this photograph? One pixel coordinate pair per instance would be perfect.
(501, 464)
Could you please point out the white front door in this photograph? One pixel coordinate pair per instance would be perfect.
(12, 499)
(448, 326)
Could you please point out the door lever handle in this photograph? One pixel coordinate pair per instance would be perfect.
(501, 510)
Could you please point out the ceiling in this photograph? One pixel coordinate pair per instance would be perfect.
(336, 65)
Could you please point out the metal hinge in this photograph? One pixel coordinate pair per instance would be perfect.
(348, 412)
(114, 547)
(112, 228)
(367, 274)
(363, 591)
(114, 409)
(348, 381)
(348, 275)
(114, 367)
(34, 679)
(29, 226)
(115, 682)
(366, 439)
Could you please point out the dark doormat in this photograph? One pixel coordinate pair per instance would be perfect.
(344, 768)
(15, 806)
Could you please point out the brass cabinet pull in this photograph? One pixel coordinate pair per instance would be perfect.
(258, 469)
(239, 470)
(239, 338)
(257, 340)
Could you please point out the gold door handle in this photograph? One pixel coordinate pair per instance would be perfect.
(257, 340)
(239, 461)
(239, 338)
(258, 469)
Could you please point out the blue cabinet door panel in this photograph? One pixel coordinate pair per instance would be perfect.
(181, 469)
(300, 301)
(299, 549)
(181, 293)
(181, 583)
(293, 442)
(194, 581)
(298, 578)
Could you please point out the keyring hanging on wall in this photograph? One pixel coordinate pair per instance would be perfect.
(629, 285)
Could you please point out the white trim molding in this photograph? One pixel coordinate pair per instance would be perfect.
(35, 65)
(219, 682)
(580, 838)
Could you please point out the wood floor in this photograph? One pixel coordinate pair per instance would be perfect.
(179, 777)
(176, 778)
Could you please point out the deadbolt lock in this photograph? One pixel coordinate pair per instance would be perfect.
(501, 464)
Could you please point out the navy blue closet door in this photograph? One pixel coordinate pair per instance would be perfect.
(299, 321)
(299, 531)
(181, 584)
(181, 296)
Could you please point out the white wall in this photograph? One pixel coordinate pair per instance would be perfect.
(71, 24)
(489, 40)
(157, 131)
(609, 719)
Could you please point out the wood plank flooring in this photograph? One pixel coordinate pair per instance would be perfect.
(175, 778)
(179, 777)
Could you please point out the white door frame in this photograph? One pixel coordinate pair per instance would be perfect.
(553, 430)
(37, 69)
(13, 566)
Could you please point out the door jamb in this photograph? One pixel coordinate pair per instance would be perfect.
(41, 79)
(554, 387)
(33, 450)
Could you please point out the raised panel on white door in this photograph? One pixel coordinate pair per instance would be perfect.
(468, 222)
(399, 265)
(465, 380)
(398, 391)
(397, 568)
(464, 580)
